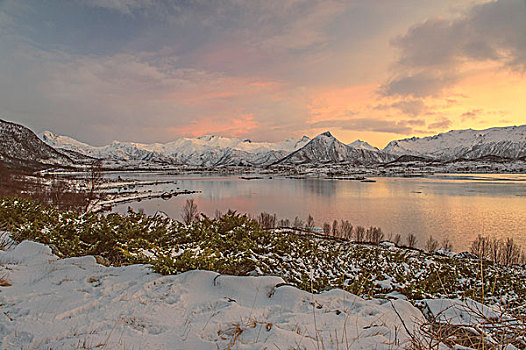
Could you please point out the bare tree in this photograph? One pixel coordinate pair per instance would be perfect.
(511, 252)
(309, 225)
(411, 241)
(360, 234)
(94, 178)
(190, 213)
(431, 244)
(267, 221)
(284, 223)
(327, 228)
(298, 223)
(480, 246)
(505, 252)
(397, 239)
(218, 214)
(446, 244)
(335, 230)
(378, 235)
(346, 229)
(56, 192)
(374, 235)
(5, 176)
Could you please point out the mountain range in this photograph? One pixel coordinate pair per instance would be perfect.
(20, 146)
(505, 142)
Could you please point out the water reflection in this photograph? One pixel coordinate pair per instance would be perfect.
(455, 206)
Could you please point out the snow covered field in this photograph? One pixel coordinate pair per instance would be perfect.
(77, 303)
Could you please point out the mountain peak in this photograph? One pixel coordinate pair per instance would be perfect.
(507, 142)
(326, 134)
(208, 137)
(362, 145)
(48, 135)
(21, 146)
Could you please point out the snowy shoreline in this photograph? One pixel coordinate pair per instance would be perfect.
(53, 303)
(75, 302)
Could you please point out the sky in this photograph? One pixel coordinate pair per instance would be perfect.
(157, 70)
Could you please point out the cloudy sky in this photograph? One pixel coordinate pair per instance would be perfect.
(157, 70)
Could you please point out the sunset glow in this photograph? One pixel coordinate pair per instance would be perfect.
(154, 71)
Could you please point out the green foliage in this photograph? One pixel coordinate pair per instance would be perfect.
(235, 244)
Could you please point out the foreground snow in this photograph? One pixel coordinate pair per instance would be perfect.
(77, 303)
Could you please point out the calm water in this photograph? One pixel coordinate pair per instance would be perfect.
(455, 206)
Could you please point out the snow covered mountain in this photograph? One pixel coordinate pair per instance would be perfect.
(20, 146)
(325, 148)
(206, 150)
(116, 151)
(508, 142)
(359, 144)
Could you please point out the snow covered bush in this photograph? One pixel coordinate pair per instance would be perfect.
(235, 244)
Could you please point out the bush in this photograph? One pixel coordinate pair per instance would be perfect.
(411, 241)
(500, 251)
(236, 244)
(431, 244)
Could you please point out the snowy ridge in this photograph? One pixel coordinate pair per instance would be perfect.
(359, 144)
(325, 148)
(206, 150)
(211, 150)
(62, 303)
(508, 142)
(20, 146)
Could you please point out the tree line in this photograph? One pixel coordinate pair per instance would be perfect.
(52, 190)
(501, 251)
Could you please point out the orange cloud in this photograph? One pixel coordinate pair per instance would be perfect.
(238, 126)
(211, 91)
(340, 103)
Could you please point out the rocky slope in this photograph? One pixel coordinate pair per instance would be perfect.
(20, 146)
(506, 142)
(325, 148)
(206, 150)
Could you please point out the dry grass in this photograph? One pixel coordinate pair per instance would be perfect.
(4, 282)
(489, 334)
(5, 243)
(25, 183)
(233, 333)
(6, 239)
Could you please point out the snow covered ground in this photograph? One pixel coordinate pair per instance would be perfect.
(77, 303)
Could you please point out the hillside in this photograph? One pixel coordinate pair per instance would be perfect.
(20, 146)
(261, 287)
(363, 145)
(63, 303)
(209, 150)
(325, 148)
(505, 142)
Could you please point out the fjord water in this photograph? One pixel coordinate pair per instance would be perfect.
(458, 207)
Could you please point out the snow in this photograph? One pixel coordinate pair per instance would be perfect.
(363, 145)
(203, 151)
(459, 312)
(75, 302)
(213, 150)
(20, 146)
(325, 148)
(500, 141)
